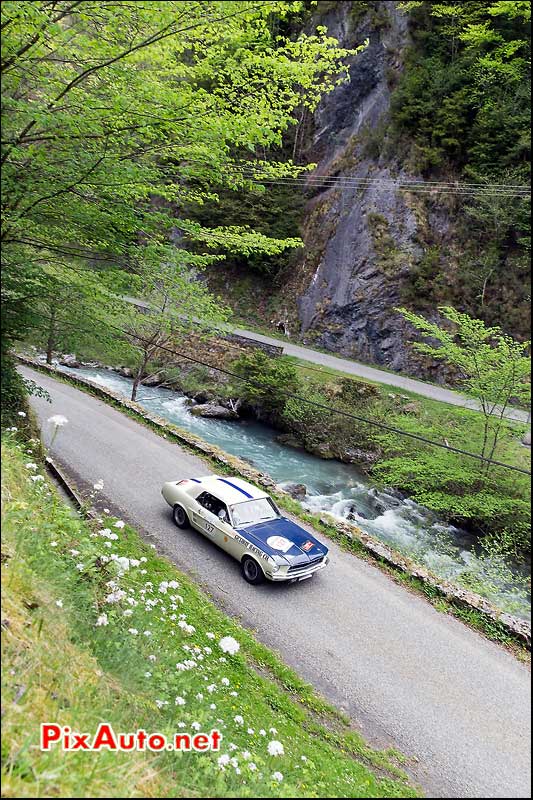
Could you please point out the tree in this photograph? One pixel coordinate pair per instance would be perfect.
(491, 366)
(266, 380)
(116, 115)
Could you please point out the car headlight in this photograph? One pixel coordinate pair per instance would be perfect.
(275, 568)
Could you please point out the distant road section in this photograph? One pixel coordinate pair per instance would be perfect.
(430, 390)
(377, 375)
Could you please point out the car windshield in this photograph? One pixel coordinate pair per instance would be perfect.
(253, 511)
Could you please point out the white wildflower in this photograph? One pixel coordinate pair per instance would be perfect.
(59, 603)
(58, 420)
(31, 465)
(36, 478)
(21, 413)
(179, 701)
(53, 544)
(102, 620)
(99, 485)
(210, 635)
(229, 645)
(275, 748)
(238, 719)
(133, 631)
(119, 524)
(223, 760)
(277, 776)
(80, 567)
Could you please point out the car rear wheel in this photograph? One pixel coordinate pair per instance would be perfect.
(180, 517)
(251, 571)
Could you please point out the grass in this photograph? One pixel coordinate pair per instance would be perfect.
(462, 427)
(60, 666)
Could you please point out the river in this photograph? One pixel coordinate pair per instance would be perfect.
(343, 490)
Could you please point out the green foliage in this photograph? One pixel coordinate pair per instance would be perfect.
(268, 380)
(461, 111)
(115, 119)
(490, 365)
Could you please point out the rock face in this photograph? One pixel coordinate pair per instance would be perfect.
(360, 239)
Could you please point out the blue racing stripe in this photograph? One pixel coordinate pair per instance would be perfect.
(195, 480)
(238, 488)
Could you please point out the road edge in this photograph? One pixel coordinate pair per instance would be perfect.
(516, 628)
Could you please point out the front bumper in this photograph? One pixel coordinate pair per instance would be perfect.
(297, 574)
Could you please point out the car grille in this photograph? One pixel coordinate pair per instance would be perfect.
(304, 567)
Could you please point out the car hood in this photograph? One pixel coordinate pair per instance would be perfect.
(299, 547)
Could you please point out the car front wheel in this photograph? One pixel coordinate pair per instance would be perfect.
(251, 571)
(180, 517)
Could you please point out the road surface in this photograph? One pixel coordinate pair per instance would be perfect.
(406, 674)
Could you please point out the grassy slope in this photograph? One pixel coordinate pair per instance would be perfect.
(434, 419)
(59, 666)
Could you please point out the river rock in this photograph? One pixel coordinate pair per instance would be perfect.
(322, 450)
(289, 440)
(526, 438)
(203, 396)
(152, 380)
(70, 360)
(296, 490)
(356, 455)
(214, 410)
(126, 372)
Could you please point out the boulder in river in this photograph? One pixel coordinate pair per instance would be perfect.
(69, 360)
(126, 372)
(152, 380)
(214, 410)
(296, 490)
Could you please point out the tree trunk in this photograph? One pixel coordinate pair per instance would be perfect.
(51, 337)
(138, 377)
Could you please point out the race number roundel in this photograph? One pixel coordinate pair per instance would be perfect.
(279, 543)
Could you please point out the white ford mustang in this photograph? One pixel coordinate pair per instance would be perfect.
(246, 523)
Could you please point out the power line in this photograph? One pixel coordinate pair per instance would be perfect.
(261, 175)
(322, 406)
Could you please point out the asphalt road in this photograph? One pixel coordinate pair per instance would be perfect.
(406, 674)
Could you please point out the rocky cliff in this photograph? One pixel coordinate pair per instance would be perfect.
(361, 240)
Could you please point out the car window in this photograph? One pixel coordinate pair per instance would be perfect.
(214, 505)
(253, 511)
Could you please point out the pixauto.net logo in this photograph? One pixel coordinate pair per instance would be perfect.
(105, 738)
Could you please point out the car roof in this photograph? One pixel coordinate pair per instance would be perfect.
(230, 490)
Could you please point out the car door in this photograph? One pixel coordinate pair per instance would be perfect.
(203, 517)
(206, 519)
